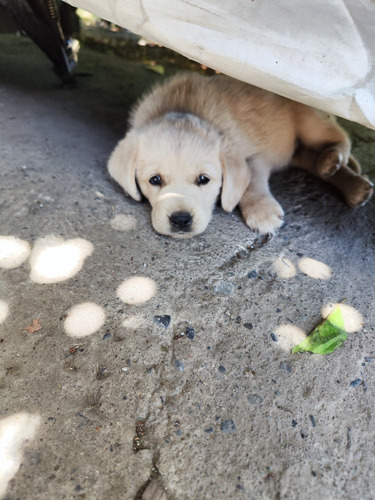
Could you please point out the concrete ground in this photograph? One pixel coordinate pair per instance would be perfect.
(137, 366)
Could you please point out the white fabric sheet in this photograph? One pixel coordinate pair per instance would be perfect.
(321, 53)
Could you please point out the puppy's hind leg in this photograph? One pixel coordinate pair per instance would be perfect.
(320, 132)
(259, 208)
(356, 189)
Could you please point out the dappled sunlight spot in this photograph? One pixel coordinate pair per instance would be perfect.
(13, 252)
(136, 290)
(284, 268)
(15, 431)
(84, 319)
(53, 259)
(123, 222)
(314, 268)
(289, 336)
(353, 319)
(169, 196)
(4, 311)
(132, 323)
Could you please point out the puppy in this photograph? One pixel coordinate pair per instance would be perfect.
(195, 138)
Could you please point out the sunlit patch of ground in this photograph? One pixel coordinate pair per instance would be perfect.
(132, 323)
(13, 252)
(84, 319)
(136, 290)
(53, 259)
(285, 268)
(314, 268)
(123, 222)
(353, 319)
(4, 311)
(15, 431)
(289, 336)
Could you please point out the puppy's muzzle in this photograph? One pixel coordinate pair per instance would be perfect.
(181, 221)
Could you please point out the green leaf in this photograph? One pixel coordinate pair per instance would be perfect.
(326, 337)
(156, 68)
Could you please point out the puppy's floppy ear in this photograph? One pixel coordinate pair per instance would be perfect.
(236, 179)
(122, 164)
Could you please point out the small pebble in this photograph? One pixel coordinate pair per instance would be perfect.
(179, 365)
(179, 432)
(162, 320)
(311, 417)
(249, 326)
(107, 336)
(278, 310)
(255, 399)
(100, 373)
(125, 369)
(349, 439)
(228, 426)
(242, 254)
(224, 288)
(190, 332)
(368, 359)
(222, 369)
(356, 382)
(294, 423)
(285, 366)
(209, 430)
(274, 337)
(252, 274)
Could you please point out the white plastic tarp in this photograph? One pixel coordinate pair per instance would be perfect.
(320, 52)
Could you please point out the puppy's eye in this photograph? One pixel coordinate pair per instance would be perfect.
(202, 180)
(155, 180)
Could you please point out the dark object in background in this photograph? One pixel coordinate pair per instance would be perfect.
(42, 20)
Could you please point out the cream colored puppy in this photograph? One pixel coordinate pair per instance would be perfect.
(195, 138)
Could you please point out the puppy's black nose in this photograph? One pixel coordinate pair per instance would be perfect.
(181, 220)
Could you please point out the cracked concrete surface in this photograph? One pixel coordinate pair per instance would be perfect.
(180, 369)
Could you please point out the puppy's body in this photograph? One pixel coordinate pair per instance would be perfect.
(195, 136)
(257, 121)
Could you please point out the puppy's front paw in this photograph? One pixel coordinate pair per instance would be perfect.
(264, 216)
(360, 192)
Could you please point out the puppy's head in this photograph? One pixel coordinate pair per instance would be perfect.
(176, 162)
